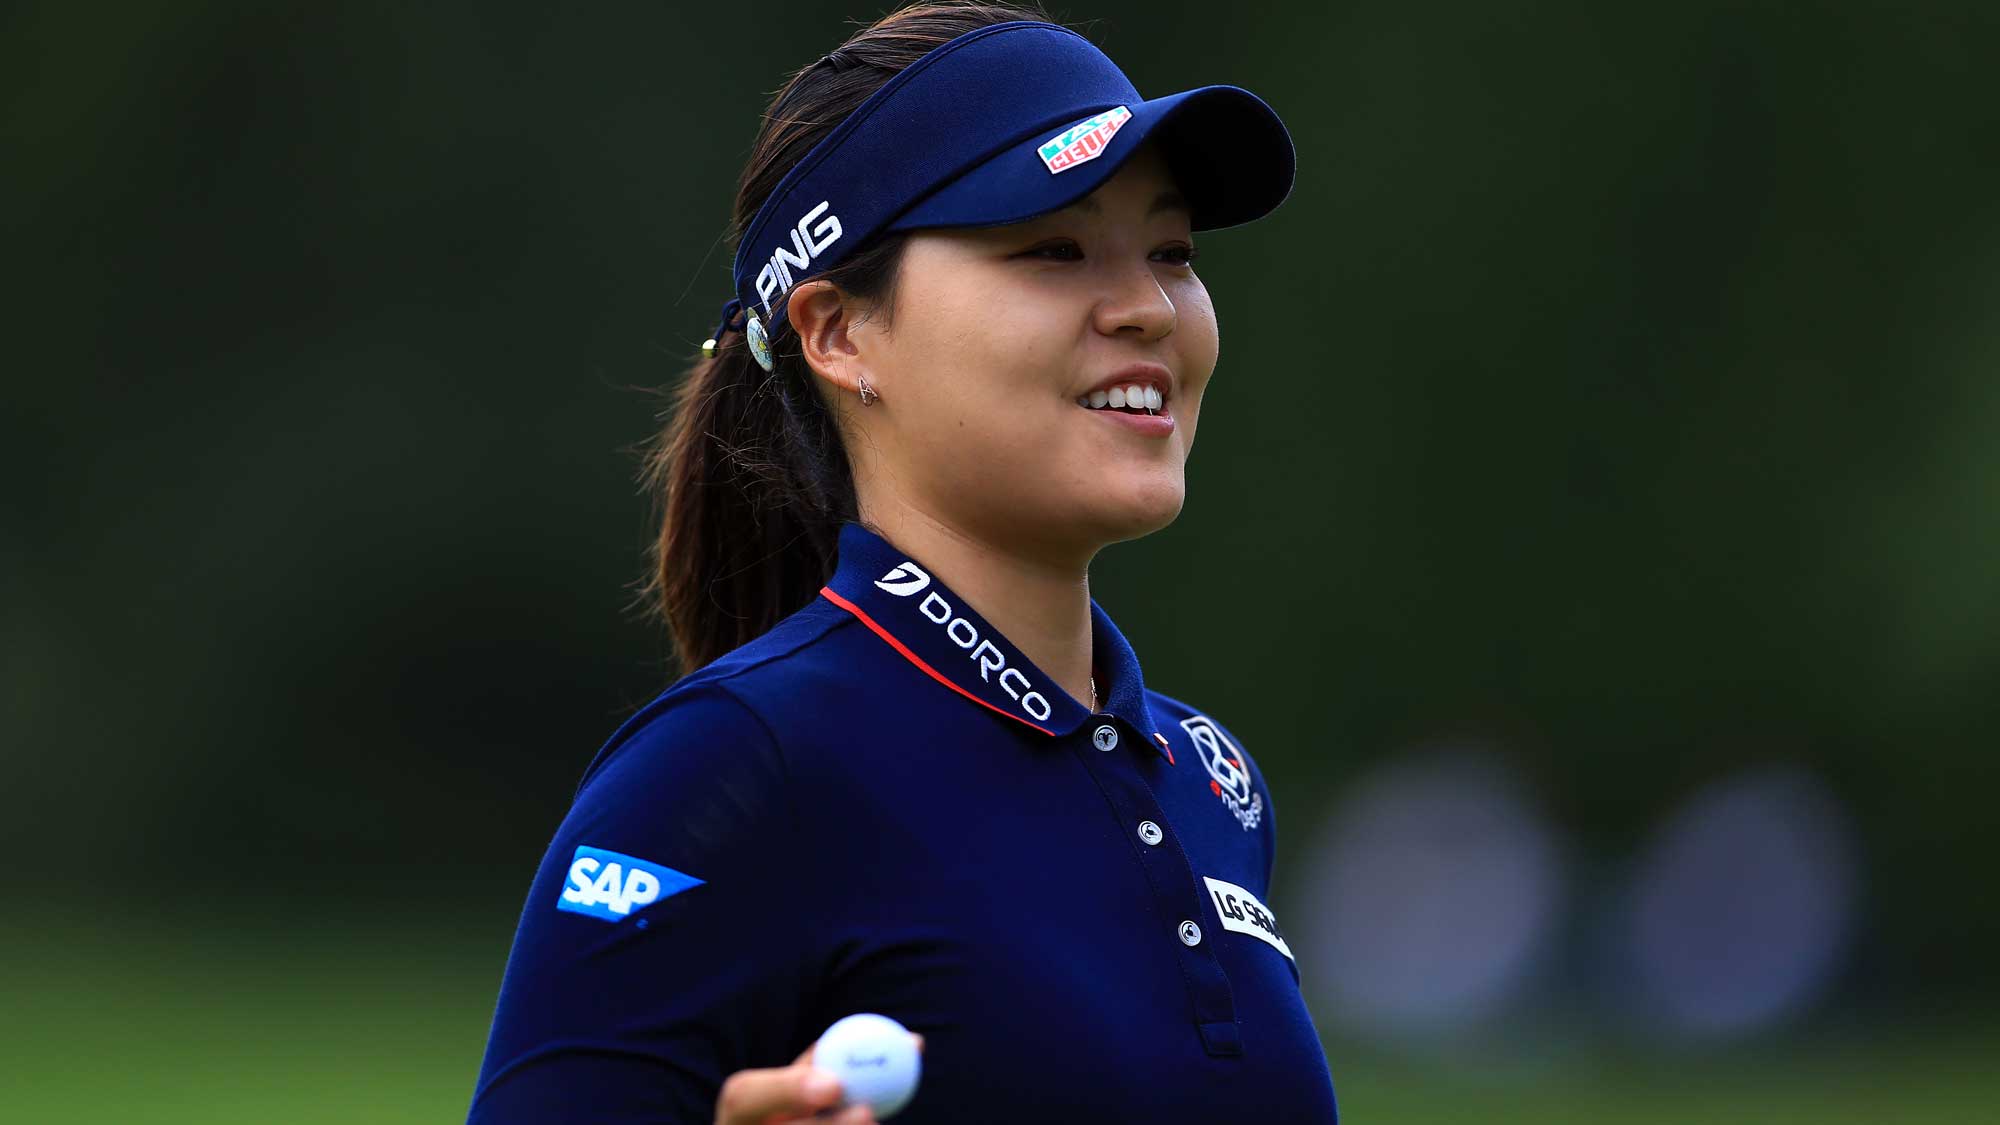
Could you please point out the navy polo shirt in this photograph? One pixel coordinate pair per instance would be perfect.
(881, 806)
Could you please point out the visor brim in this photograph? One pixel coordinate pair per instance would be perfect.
(1228, 152)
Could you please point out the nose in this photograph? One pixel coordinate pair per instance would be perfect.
(1135, 303)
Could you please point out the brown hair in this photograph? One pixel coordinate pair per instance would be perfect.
(749, 474)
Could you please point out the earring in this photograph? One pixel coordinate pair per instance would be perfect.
(868, 394)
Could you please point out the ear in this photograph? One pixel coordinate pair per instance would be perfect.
(824, 319)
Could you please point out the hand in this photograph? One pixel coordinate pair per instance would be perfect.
(798, 1092)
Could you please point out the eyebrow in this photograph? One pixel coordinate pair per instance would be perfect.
(1169, 200)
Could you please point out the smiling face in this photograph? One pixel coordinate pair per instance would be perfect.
(995, 335)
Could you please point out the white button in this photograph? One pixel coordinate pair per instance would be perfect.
(1105, 737)
(1150, 832)
(1190, 933)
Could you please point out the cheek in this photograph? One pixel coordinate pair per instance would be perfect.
(1197, 345)
(977, 378)
(971, 354)
(1195, 323)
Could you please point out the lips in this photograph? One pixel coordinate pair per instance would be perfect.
(1138, 397)
(1149, 425)
(1142, 420)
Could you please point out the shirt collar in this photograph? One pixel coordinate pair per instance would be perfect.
(911, 609)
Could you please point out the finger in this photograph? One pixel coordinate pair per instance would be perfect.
(920, 1042)
(753, 1095)
(842, 1115)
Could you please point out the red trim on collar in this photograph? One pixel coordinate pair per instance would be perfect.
(827, 593)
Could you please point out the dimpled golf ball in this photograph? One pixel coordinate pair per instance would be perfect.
(875, 1059)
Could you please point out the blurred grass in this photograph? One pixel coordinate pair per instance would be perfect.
(134, 1019)
(1915, 1076)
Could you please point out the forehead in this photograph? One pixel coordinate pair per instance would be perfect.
(1143, 187)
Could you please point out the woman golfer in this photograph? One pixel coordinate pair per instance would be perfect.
(913, 769)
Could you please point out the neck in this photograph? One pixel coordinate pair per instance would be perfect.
(1042, 607)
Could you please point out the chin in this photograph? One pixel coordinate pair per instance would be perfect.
(1145, 508)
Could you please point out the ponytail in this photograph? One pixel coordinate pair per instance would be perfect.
(754, 487)
(749, 473)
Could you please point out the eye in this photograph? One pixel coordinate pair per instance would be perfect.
(1182, 255)
(1063, 251)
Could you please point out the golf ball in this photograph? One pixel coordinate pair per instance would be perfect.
(875, 1059)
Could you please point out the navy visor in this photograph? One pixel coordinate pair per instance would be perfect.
(997, 126)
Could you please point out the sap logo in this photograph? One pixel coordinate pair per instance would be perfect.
(965, 635)
(1240, 912)
(809, 240)
(610, 885)
(903, 581)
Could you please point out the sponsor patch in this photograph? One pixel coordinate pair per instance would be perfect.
(1228, 777)
(1240, 912)
(611, 885)
(810, 237)
(905, 579)
(1083, 141)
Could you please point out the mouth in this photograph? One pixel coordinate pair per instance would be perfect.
(1138, 397)
(1132, 398)
(1140, 406)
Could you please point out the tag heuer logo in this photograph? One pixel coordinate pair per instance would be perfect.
(1083, 141)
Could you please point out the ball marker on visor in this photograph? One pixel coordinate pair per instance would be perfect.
(998, 126)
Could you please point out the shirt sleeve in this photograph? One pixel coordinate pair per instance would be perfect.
(659, 950)
(1268, 831)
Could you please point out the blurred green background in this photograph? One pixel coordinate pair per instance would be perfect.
(1612, 407)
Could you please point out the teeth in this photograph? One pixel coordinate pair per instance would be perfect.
(1135, 396)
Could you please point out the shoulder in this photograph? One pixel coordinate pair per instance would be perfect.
(1218, 750)
(1188, 724)
(701, 777)
(722, 716)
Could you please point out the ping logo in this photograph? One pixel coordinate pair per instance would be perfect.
(1228, 778)
(609, 885)
(1082, 141)
(1239, 911)
(903, 581)
(811, 236)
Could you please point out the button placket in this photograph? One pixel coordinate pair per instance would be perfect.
(1175, 890)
